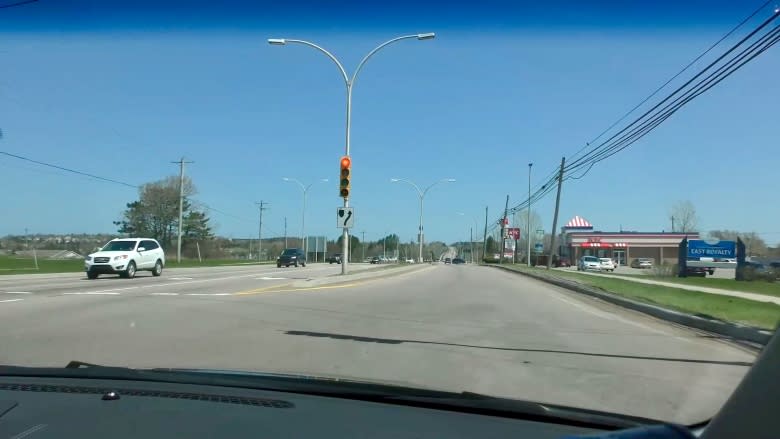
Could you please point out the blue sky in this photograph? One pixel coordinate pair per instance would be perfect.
(121, 91)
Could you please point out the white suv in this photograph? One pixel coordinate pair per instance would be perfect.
(125, 257)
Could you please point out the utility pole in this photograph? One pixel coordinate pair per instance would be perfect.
(503, 228)
(672, 223)
(285, 232)
(484, 237)
(363, 245)
(528, 219)
(471, 241)
(181, 164)
(261, 205)
(555, 216)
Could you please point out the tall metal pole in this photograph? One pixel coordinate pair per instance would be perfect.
(421, 236)
(555, 216)
(503, 227)
(528, 219)
(303, 225)
(471, 240)
(484, 236)
(363, 245)
(345, 230)
(181, 206)
(349, 82)
(285, 232)
(261, 205)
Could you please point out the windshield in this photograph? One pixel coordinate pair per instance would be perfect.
(501, 152)
(114, 246)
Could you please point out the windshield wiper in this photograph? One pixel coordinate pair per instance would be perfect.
(467, 402)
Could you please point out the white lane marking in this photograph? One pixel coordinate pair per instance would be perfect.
(180, 278)
(17, 292)
(208, 294)
(163, 294)
(92, 293)
(10, 300)
(270, 278)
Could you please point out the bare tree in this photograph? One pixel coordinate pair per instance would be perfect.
(683, 216)
(754, 245)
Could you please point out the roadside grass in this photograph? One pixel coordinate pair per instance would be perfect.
(755, 286)
(732, 309)
(13, 265)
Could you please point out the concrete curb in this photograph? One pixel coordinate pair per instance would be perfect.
(360, 275)
(727, 329)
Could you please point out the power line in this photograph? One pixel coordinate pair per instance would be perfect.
(675, 76)
(19, 3)
(607, 150)
(62, 168)
(599, 150)
(628, 135)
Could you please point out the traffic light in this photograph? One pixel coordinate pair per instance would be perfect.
(346, 176)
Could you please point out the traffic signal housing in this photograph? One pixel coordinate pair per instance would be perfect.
(345, 176)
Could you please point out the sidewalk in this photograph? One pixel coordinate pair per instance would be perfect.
(744, 295)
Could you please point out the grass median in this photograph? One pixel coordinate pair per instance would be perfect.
(727, 308)
(13, 265)
(755, 286)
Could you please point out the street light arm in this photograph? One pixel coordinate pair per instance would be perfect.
(417, 188)
(443, 180)
(377, 49)
(295, 180)
(328, 54)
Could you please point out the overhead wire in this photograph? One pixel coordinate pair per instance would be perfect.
(727, 69)
(598, 149)
(675, 76)
(73, 171)
(612, 145)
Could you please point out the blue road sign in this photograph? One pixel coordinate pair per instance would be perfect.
(698, 248)
(538, 247)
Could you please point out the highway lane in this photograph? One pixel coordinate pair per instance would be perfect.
(448, 327)
(216, 280)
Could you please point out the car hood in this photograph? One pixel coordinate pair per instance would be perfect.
(110, 254)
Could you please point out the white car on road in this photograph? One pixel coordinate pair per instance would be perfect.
(125, 257)
(607, 264)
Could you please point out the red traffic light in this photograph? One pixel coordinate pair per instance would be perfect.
(345, 177)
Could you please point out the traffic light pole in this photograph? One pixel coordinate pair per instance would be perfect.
(345, 234)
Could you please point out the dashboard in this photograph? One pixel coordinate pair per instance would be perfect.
(86, 408)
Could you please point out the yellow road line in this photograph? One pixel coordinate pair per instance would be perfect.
(271, 290)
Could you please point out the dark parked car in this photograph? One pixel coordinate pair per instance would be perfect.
(563, 262)
(334, 259)
(291, 256)
(458, 261)
(447, 261)
(376, 260)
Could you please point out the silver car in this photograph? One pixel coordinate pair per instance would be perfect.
(589, 263)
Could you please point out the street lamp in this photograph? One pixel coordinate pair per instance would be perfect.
(421, 193)
(349, 83)
(305, 190)
(471, 235)
(528, 219)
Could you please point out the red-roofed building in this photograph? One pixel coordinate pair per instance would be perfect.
(579, 239)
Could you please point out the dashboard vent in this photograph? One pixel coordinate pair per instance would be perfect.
(226, 399)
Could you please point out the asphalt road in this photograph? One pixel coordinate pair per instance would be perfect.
(453, 327)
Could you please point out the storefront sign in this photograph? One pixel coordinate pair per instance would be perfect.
(698, 248)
